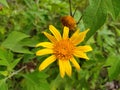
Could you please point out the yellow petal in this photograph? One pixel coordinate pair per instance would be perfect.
(80, 54)
(81, 37)
(67, 66)
(61, 68)
(55, 32)
(74, 62)
(85, 48)
(75, 35)
(43, 52)
(65, 32)
(45, 44)
(50, 37)
(47, 62)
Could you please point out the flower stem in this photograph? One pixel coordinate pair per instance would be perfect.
(79, 19)
(70, 8)
(75, 11)
(14, 73)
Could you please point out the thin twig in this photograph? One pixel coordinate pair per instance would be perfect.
(14, 73)
(70, 8)
(79, 19)
(75, 11)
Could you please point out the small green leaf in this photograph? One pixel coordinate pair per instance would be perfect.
(56, 83)
(4, 73)
(13, 42)
(113, 7)
(94, 16)
(35, 81)
(117, 32)
(14, 38)
(2, 54)
(4, 62)
(3, 57)
(14, 63)
(6, 59)
(114, 63)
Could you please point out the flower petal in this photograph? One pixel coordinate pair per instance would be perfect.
(45, 44)
(61, 68)
(65, 32)
(81, 37)
(43, 52)
(75, 35)
(47, 62)
(74, 62)
(55, 32)
(85, 48)
(67, 66)
(50, 37)
(80, 54)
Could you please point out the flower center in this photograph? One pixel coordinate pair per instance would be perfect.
(63, 49)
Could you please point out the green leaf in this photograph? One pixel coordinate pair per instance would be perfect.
(56, 83)
(3, 85)
(13, 42)
(31, 42)
(114, 69)
(3, 57)
(6, 59)
(94, 16)
(2, 54)
(4, 2)
(113, 6)
(35, 81)
(4, 73)
(14, 63)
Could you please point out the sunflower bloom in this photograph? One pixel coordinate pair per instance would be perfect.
(63, 49)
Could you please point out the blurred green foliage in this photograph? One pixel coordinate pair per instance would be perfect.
(21, 25)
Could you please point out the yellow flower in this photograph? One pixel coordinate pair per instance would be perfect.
(63, 49)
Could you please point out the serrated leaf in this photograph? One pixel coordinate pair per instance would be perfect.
(20, 49)
(35, 81)
(4, 2)
(94, 16)
(14, 38)
(13, 42)
(6, 59)
(114, 65)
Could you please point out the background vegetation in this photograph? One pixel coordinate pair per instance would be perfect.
(21, 25)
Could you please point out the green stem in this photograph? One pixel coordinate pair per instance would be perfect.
(79, 19)
(14, 73)
(70, 8)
